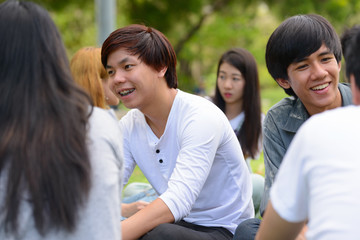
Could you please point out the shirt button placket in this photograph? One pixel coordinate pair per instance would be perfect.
(158, 151)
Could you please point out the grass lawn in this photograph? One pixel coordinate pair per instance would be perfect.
(268, 98)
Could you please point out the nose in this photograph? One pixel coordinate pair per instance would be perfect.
(227, 83)
(318, 71)
(117, 78)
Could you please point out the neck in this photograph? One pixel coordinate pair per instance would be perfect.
(233, 109)
(156, 116)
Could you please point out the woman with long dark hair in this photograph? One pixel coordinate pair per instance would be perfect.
(60, 159)
(237, 94)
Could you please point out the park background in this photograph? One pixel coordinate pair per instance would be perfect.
(200, 31)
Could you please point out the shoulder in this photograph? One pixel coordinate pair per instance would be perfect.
(320, 129)
(132, 118)
(197, 114)
(132, 114)
(187, 104)
(194, 103)
(334, 118)
(344, 86)
(103, 121)
(284, 105)
(188, 98)
(281, 110)
(346, 94)
(103, 126)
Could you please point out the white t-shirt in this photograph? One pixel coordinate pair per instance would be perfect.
(319, 177)
(100, 217)
(236, 121)
(196, 166)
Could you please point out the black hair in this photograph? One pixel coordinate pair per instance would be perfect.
(250, 132)
(352, 55)
(296, 38)
(43, 122)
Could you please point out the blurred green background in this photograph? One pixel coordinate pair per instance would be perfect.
(200, 31)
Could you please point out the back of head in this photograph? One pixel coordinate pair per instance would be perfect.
(352, 56)
(347, 36)
(296, 38)
(42, 122)
(153, 48)
(88, 72)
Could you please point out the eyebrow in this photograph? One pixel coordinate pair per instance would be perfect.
(233, 74)
(325, 52)
(120, 62)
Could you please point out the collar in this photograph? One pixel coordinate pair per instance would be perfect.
(298, 114)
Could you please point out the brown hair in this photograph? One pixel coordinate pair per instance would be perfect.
(153, 48)
(88, 72)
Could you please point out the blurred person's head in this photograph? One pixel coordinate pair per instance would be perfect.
(352, 60)
(43, 122)
(88, 72)
(347, 35)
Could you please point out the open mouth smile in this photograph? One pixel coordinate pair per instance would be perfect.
(126, 92)
(320, 87)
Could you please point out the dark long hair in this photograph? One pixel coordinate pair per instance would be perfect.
(251, 131)
(43, 122)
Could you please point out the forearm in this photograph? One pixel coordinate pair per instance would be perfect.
(145, 220)
(273, 227)
(129, 209)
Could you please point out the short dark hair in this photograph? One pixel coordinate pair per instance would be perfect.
(347, 35)
(352, 55)
(297, 37)
(153, 48)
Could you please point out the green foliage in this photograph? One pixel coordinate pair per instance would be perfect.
(337, 12)
(200, 30)
(246, 27)
(162, 14)
(60, 5)
(137, 176)
(79, 30)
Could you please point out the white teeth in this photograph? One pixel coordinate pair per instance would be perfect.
(322, 86)
(126, 92)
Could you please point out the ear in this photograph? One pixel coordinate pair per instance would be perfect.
(162, 72)
(283, 83)
(354, 90)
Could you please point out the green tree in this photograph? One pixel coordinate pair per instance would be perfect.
(200, 30)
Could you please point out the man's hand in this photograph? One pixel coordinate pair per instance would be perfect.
(129, 209)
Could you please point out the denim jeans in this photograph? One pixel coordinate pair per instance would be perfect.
(247, 229)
